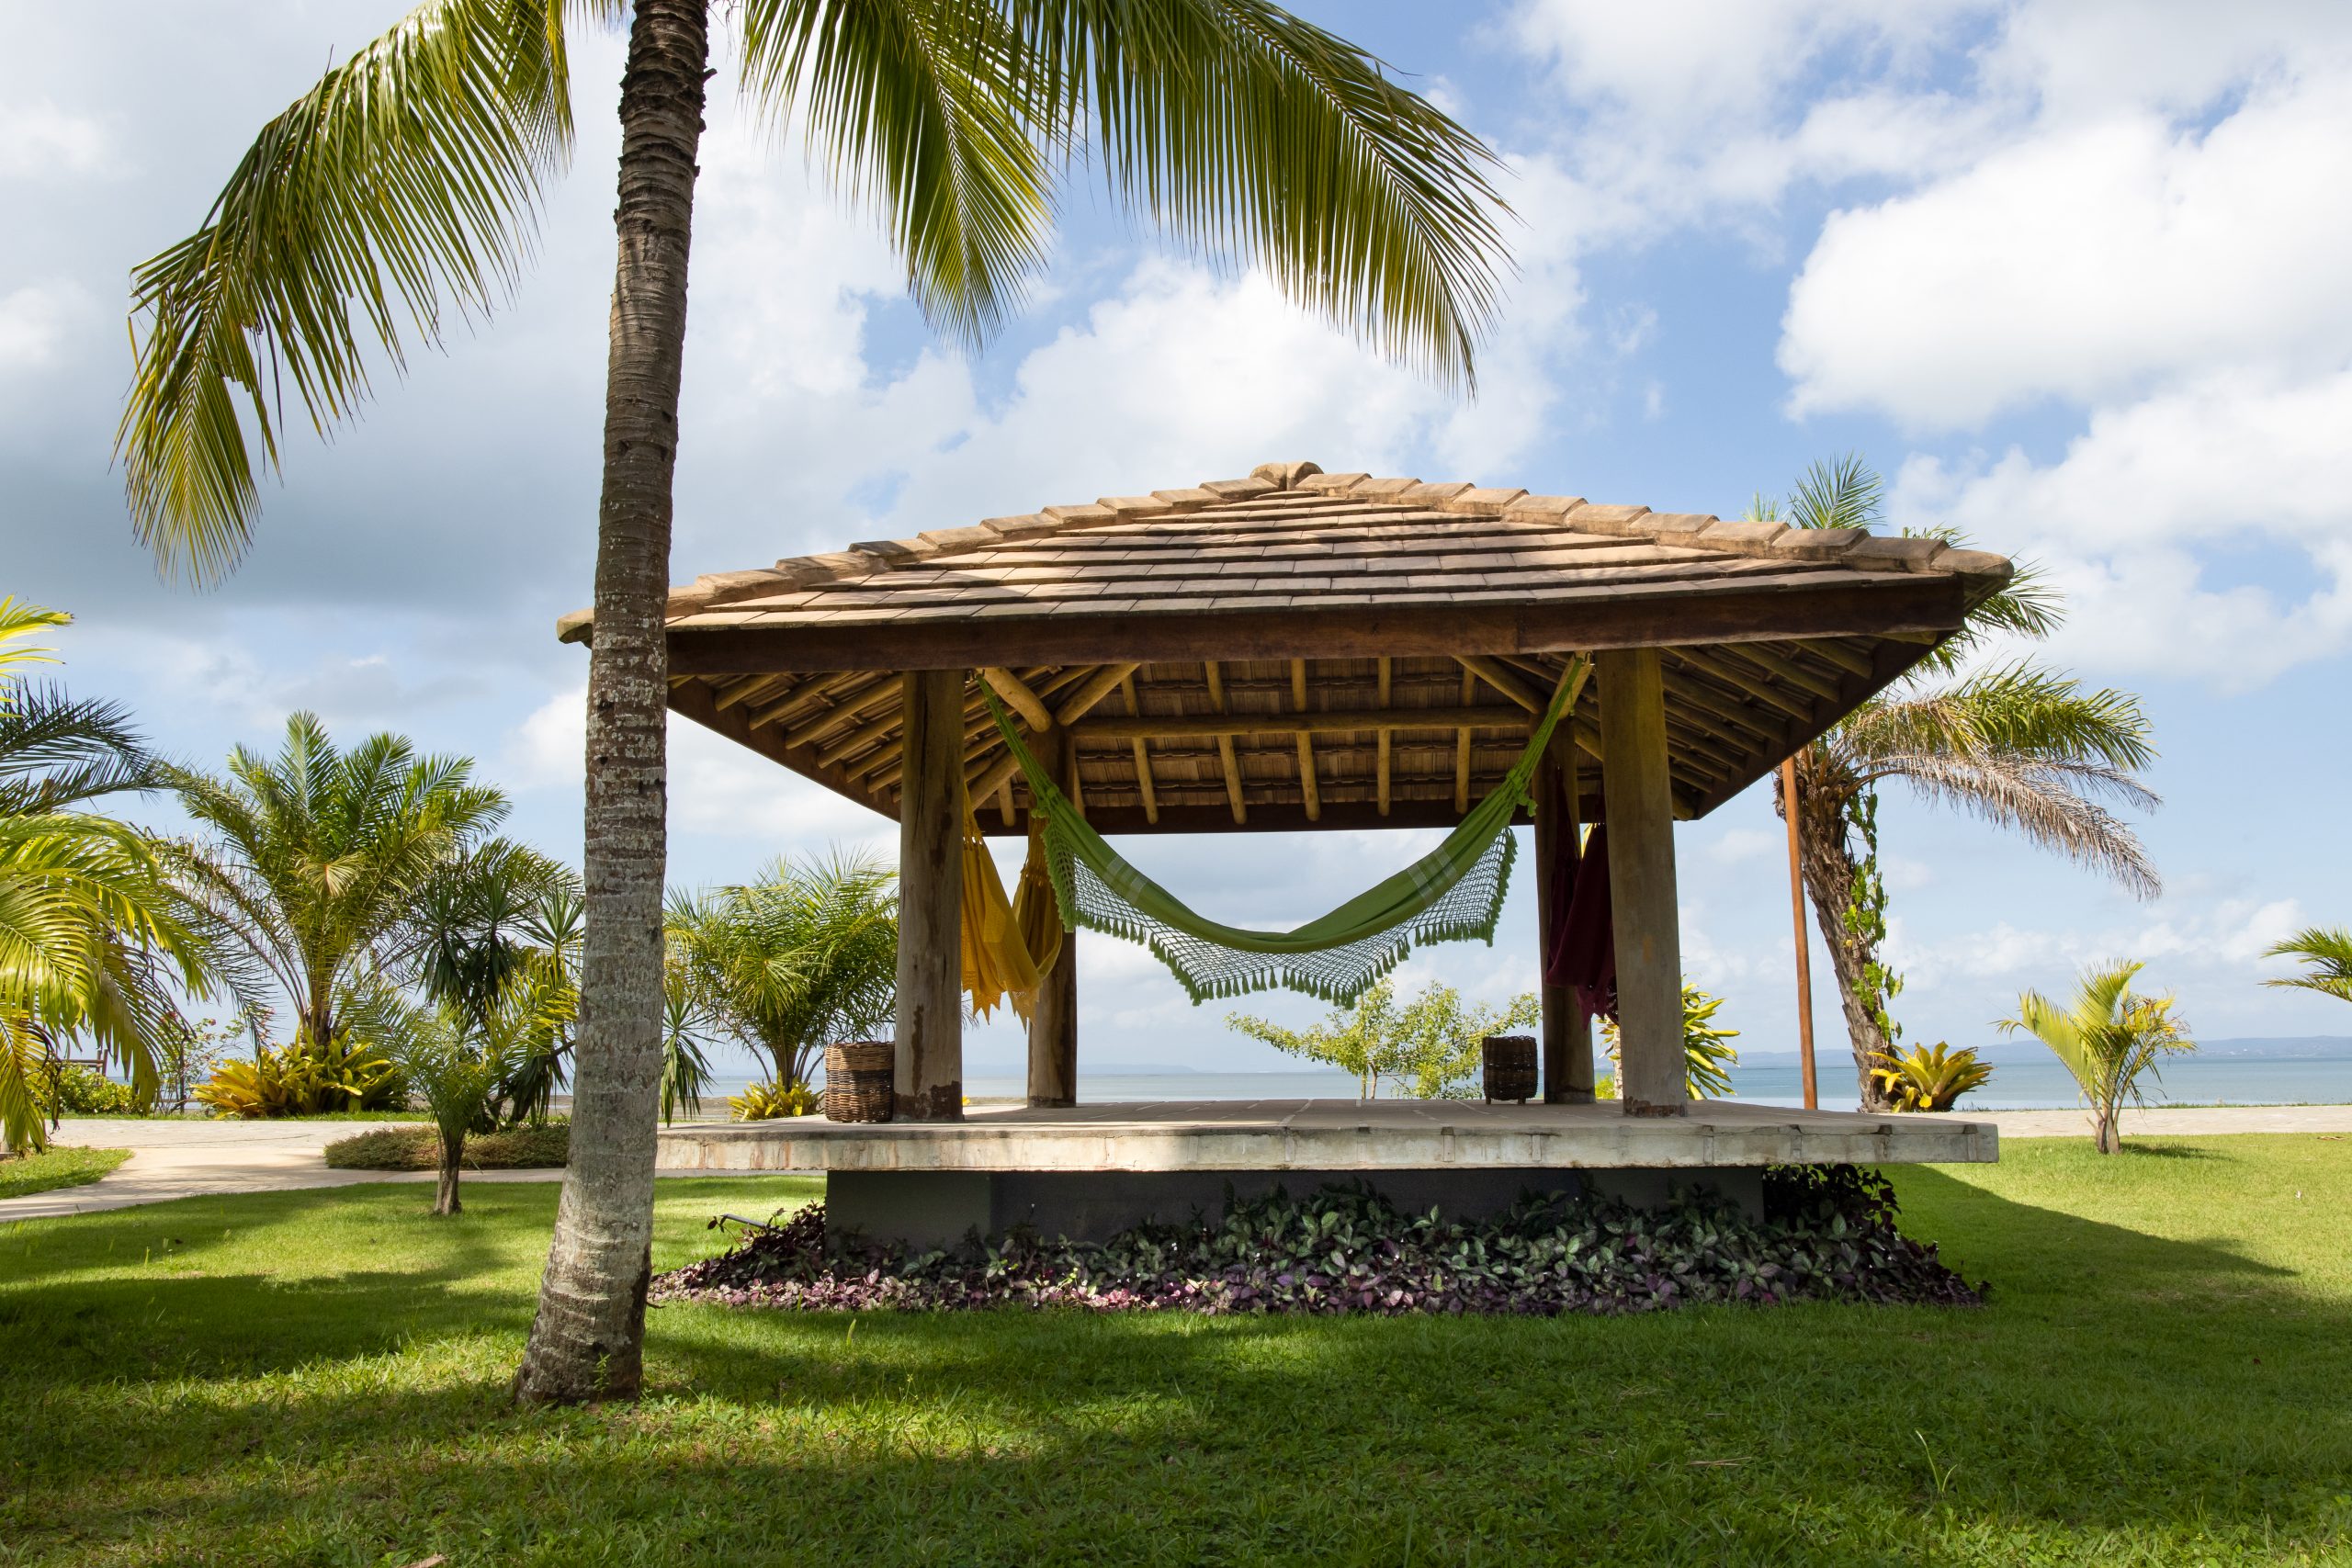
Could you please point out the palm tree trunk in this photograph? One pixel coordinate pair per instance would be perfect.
(445, 1190)
(1828, 882)
(588, 1340)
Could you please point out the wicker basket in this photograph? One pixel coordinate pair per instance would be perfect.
(857, 1080)
(1510, 1061)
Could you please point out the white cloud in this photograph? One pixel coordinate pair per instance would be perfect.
(41, 141)
(2127, 519)
(34, 321)
(2182, 939)
(2084, 264)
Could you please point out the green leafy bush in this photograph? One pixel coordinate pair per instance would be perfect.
(1929, 1077)
(1707, 1056)
(290, 1080)
(1826, 1235)
(765, 1103)
(79, 1091)
(546, 1146)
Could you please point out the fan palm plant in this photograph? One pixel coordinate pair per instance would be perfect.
(803, 958)
(2108, 1038)
(400, 192)
(2015, 744)
(310, 863)
(2327, 953)
(93, 941)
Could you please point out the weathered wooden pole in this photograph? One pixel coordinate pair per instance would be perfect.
(1568, 1033)
(1053, 1018)
(1637, 795)
(1805, 940)
(928, 1072)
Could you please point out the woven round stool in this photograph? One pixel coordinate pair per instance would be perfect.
(857, 1080)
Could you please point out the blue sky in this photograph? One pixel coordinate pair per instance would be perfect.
(2069, 275)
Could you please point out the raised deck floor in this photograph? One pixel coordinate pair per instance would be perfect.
(1333, 1135)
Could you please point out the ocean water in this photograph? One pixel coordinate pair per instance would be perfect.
(2015, 1085)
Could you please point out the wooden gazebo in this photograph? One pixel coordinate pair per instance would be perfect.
(1302, 650)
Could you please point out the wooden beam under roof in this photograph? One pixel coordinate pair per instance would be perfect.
(1307, 790)
(1383, 764)
(1224, 745)
(1143, 755)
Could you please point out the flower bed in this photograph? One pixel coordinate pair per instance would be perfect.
(1829, 1235)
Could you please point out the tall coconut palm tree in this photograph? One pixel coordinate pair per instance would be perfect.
(2015, 744)
(400, 191)
(2326, 952)
(311, 863)
(92, 935)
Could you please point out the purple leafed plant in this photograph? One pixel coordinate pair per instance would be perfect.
(1828, 1233)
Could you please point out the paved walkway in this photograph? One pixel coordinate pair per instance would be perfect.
(187, 1158)
(2177, 1121)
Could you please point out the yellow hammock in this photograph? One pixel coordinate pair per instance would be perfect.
(1008, 947)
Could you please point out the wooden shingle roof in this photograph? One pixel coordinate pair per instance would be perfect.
(1222, 655)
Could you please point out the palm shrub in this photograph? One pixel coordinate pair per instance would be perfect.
(311, 863)
(2106, 1037)
(803, 957)
(1930, 1078)
(2327, 954)
(2016, 744)
(1430, 1046)
(1707, 1056)
(301, 1079)
(767, 1101)
(96, 944)
(400, 193)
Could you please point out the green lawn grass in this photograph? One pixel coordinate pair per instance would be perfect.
(2161, 1377)
(60, 1165)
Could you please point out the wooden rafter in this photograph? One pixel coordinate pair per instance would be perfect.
(1143, 755)
(1307, 787)
(1386, 676)
(1224, 745)
(1461, 747)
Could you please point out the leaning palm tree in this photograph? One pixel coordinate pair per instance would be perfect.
(310, 863)
(804, 957)
(2106, 1038)
(400, 192)
(2015, 744)
(2326, 952)
(94, 941)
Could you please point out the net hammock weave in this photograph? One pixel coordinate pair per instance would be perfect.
(1452, 894)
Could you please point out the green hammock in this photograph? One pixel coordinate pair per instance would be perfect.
(1452, 893)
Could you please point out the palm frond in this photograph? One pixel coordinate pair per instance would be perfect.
(402, 186)
(19, 620)
(2328, 951)
(56, 751)
(909, 103)
(1838, 493)
(1242, 131)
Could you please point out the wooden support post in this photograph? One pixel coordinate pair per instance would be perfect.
(1804, 941)
(1053, 1018)
(1568, 1033)
(1637, 794)
(928, 1077)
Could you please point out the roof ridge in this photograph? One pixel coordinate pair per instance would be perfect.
(1851, 546)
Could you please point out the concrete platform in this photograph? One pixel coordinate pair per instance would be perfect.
(1333, 1135)
(1092, 1171)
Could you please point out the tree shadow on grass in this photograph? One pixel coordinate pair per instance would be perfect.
(2130, 1424)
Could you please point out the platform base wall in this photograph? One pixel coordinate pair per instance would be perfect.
(938, 1208)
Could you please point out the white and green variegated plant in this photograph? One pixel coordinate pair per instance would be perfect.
(399, 196)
